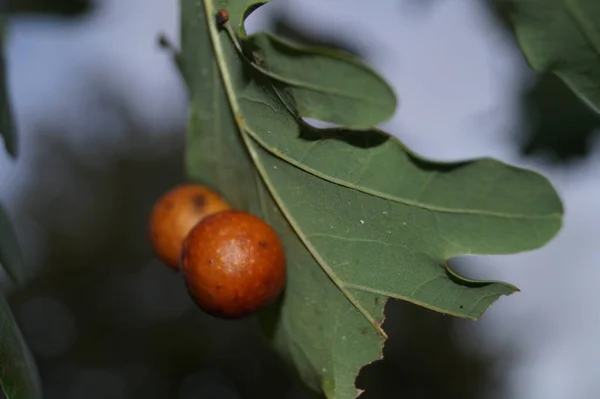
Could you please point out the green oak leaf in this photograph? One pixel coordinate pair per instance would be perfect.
(362, 218)
(327, 85)
(7, 128)
(18, 374)
(561, 36)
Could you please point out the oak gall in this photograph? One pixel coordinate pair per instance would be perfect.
(233, 263)
(222, 17)
(174, 215)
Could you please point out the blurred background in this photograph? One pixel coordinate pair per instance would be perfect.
(101, 111)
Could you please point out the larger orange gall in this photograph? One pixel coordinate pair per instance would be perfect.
(233, 263)
(174, 215)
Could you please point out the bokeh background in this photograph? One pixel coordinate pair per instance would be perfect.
(101, 112)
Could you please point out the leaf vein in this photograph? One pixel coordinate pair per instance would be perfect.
(408, 202)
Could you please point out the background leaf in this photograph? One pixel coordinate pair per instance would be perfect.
(562, 36)
(18, 374)
(7, 128)
(362, 218)
(11, 258)
(559, 124)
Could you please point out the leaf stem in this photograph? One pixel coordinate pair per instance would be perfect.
(234, 39)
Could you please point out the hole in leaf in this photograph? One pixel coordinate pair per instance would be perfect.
(356, 138)
(317, 124)
(260, 20)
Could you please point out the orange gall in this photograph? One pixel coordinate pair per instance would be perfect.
(234, 264)
(174, 215)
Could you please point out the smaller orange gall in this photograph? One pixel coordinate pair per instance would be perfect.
(222, 17)
(174, 215)
(233, 264)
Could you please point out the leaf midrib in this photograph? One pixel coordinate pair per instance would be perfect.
(239, 120)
